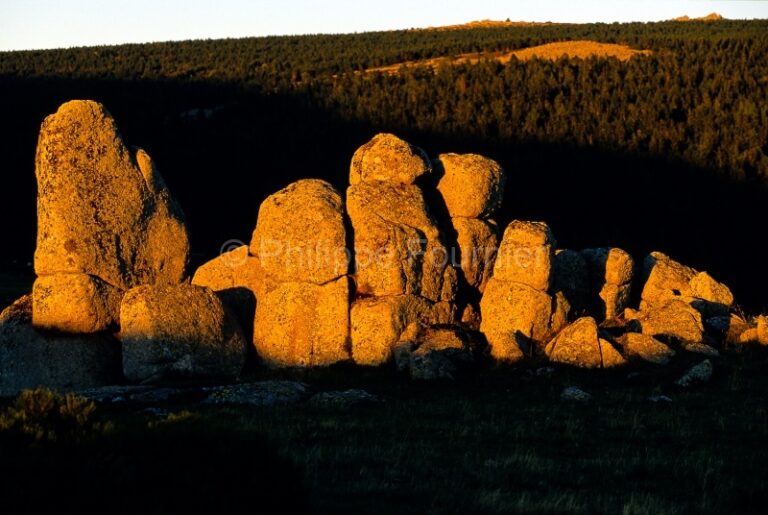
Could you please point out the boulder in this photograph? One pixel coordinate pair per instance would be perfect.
(472, 186)
(762, 330)
(570, 276)
(676, 319)
(610, 276)
(609, 265)
(525, 255)
(646, 347)
(575, 394)
(748, 336)
(378, 324)
(180, 330)
(398, 249)
(104, 213)
(516, 315)
(700, 373)
(30, 357)
(580, 345)
(300, 234)
(301, 324)
(478, 241)
(667, 280)
(75, 303)
(438, 353)
(388, 158)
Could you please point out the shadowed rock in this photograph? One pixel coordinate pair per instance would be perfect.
(611, 271)
(477, 241)
(30, 357)
(180, 330)
(106, 221)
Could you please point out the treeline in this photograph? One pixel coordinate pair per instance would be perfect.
(662, 152)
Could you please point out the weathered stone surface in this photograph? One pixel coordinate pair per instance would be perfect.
(676, 319)
(525, 255)
(344, 399)
(262, 394)
(103, 209)
(609, 265)
(238, 279)
(570, 276)
(398, 249)
(646, 348)
(579, 344)
(300, 234)
(438, 354)
(303, 324)
(478, 241)
(700, 373)
(379, 324)
(30, 357)
(748, 336)
(180, 330)
(75, 303)
(667, 280)
(472, 186)
(762, 330)
(575, 394)
(700, 348)
(614, 299)
(388, 158)
(514, 315)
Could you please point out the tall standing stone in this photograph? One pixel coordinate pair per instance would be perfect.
(106, 222)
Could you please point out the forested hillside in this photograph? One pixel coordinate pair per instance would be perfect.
(666, 151)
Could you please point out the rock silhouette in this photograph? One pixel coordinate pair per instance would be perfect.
(401, 270)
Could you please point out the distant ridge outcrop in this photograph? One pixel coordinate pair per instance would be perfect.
(709, 17)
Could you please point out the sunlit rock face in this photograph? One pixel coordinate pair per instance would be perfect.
(580, 345)
(666, 280)
(106, 221)
(404, 276)
(388, 158)
(302, 305)
(471, 190)
(611, 271)
(179, 331)
(519, 311)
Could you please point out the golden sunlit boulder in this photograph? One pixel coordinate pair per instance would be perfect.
(516, 315)
(178, 331)
(676, 319)
(75, 303)
(580, 345)
(667, 280)
(30, 358)
(646, 347)
(610, 271)
(300, 234)
(478, 241)
(300, 324)
(398, 249)
(472, 186)
(388, 158)
(439, 354)
(378, 324)
(103, 211)
(525, 255)
(762, 330)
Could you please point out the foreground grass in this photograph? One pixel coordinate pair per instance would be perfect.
(502, 442)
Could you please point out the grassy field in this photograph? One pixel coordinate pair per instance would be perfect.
(497, 442)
